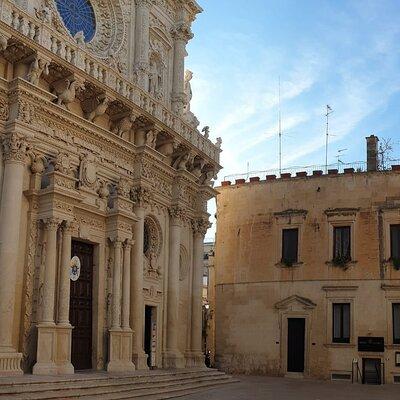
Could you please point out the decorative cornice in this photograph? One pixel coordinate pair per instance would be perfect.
(291, 213)
(387, 287)
(339, 288)
(345, 212)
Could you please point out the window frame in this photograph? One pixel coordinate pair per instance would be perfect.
(396, 340)
(342, 338)
(283, 259)
(391, 241)
(336, 228)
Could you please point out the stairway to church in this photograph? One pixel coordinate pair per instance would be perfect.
(152, 385)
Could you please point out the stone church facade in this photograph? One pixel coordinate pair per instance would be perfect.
(307, 275)
(104, 181)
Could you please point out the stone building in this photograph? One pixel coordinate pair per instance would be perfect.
(104, 182)
(308, 274)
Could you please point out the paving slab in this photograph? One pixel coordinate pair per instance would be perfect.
(268, 388)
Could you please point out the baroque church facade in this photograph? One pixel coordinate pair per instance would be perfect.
(104, 183)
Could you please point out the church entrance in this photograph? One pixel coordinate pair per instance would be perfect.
(296, 344)
(150, 335)
(80, 314)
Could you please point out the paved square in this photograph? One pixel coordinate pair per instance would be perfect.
(267, 388)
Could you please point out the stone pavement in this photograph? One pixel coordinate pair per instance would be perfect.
(267, 388)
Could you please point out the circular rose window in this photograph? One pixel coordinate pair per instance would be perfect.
(78, 16)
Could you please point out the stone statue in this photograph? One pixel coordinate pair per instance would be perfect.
(187, 114)
(219, 142)
(36, 69)
(66, 93)
(188, 91)
(99, 109)
(151, 138)
(206, 131)
(80, 38)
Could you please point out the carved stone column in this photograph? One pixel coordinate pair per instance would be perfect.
(142, 42)
(14, 146)
(65, 282)
(199, 230)
(137, 301)
(120, 342)
(49, 285)
(173, 357)
(116, 295)
(181, 34)
(126, 285)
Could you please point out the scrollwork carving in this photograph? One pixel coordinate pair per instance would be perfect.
(15, 147)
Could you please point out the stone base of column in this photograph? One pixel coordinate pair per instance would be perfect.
(10, 362)
(140, 361)
(173, 360)
(195, 359)
(53, 350)
(120, 351)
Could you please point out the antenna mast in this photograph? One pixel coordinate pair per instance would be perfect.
(280, 127)
(328, 112)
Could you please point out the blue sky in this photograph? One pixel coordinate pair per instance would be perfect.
(344, 53)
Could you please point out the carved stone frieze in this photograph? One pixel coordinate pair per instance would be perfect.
(4, 110)
(141, 196)
(200, 226)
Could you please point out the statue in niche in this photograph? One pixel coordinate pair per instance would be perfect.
(188, 115)
(156, 78)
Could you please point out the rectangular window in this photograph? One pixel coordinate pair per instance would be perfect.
(342, 243)
(341, 323)
(290, 244)
(396, 323)
(395, 242)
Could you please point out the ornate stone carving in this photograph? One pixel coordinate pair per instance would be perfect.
(182, 31)
(177, 212)
(141, 196)
(122, 126)
(62, 163)
(38, 163)
(4, 110)
(183, 263)
(15, 147)
(66, 92)
(88, 171)
(200, 226)
(98, 108)
(124, 188)
(37, 68)
(187, 114)
(26, 112)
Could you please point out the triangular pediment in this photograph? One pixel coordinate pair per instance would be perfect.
(295, 301)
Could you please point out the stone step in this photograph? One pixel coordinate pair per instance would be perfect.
(116, 387)
(103, 388)
(41, 384)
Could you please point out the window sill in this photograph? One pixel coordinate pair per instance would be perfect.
(294, 265)
(339, 345)
(393, 346)
(344, 266)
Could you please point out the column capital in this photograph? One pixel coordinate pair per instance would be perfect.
(51, 223)
(15, 147)
(69, 227)
(182, 31)
(141, 196)
(177, 212)
(200, 226)
(128, 243)
(144, 3)
(117, 242)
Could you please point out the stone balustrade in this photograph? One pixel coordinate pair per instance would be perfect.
(45, 36)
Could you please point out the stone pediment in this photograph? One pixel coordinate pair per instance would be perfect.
(295, 302)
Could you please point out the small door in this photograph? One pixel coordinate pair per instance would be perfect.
(150, 335)
(80, 313)
(372, 371)
(296, 344)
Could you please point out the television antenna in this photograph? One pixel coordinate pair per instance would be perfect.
(280, 126)
(329, 111)
(339, 155)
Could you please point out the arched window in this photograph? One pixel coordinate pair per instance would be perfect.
(78, 16)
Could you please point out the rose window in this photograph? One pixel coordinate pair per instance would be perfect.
(78, 16)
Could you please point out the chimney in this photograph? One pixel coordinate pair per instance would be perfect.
(372, 153)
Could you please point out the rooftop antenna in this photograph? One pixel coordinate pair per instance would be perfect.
(339, 155)
(329, 111)
(280, 126)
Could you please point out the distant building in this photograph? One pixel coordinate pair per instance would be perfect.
(209, 301)
(308, 274)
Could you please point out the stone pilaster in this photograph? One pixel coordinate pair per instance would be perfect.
(181, 34)
(200, 227)
(120, 341)
(142, 42)
(172, 356)
(14, 155)
(126, 285)
(137, 301)
(65, 283)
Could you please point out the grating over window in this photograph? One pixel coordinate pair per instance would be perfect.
(78, 16)
(341, 243)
